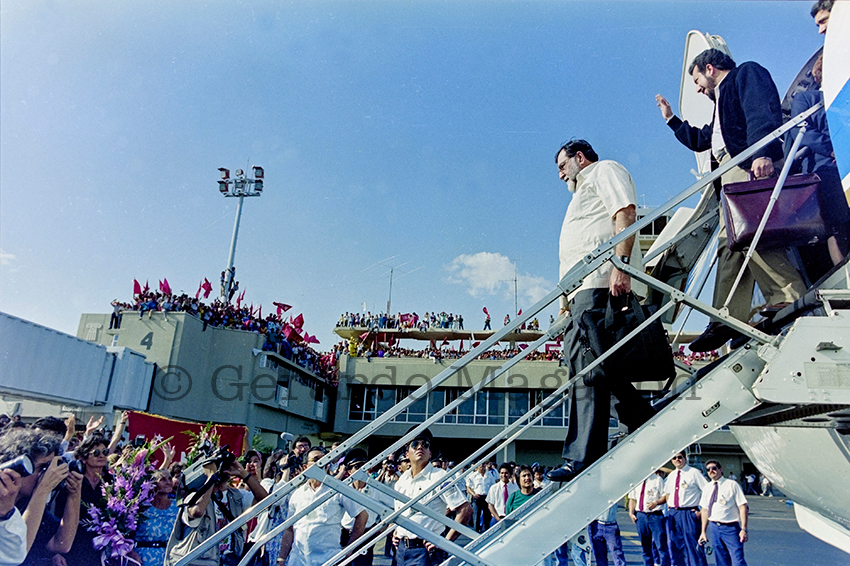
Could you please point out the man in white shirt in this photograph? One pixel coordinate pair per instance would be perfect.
(724, 517)
(314, 539)
(650, 521)
(603, 204)
(13, 530)
(422, 476)
(477, 486)
(497, 497)
(354, 460)
(683, 490)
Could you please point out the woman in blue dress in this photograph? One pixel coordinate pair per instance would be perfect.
(157, 522)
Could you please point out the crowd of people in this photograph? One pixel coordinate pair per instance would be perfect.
(282, 337)
(412, 321)
(437, 354)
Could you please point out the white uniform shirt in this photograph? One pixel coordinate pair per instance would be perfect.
(429, 479)
(271, 517)
(317, 533)
(602, 189)
(368, 490)
(496, 496)
(690, 487)
(652, 492)
(729, 496)
(13, 540)
(477, 483)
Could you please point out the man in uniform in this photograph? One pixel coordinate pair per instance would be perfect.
(649, 520)
(746, 108)
(422, 476)
(682, 493)
(603, 204)
(724, 517)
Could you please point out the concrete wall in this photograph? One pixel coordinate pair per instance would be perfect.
(215, 374)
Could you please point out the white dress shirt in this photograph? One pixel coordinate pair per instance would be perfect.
(601, 190)
(497, 498)
(317, 533)
(13, 540)
(429, 479)
(690, 487)
(653, 490)
(729, 497)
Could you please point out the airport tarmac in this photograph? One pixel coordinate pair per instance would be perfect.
(775, 539)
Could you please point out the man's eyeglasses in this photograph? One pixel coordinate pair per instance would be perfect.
(417, 444)
(711, 468)
(678, 458)
(96, 453)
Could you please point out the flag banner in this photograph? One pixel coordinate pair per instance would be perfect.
(152, 426)
(519, 313)
(166, 288)
(485, 311)
(147, 287)
(137, 289)
(200, 288)
(298, 323)
(207, 288)
(282, 307)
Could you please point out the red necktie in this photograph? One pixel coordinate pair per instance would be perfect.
(713, 498)
(676, 491)
(505, 492)
(642, 493)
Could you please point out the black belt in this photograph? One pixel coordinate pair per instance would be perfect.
(151, 543)
(651, 512)
(735, 523)
(685, 508)
(413, 542)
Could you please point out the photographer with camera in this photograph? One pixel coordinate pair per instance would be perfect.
(32, 470)
(211, 504)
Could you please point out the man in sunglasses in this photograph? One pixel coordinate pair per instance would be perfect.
(683, 490)
(724, 517)
(422, 476)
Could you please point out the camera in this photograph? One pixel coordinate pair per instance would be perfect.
(22, 464)
(77, 466)
(194, 476)
(139, 441)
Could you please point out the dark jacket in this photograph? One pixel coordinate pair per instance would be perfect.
(749, 110)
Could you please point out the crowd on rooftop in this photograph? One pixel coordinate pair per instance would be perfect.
(282, 337)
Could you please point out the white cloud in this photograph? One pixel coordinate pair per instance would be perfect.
(487, 273)
(6, 258)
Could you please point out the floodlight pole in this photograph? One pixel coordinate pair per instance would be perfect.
(239, 186)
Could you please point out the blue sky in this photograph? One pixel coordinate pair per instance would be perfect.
(420, 133)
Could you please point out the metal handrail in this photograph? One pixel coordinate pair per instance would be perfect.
(569, 282)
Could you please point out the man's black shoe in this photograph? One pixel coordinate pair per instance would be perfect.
(565, 473)
(714, 336)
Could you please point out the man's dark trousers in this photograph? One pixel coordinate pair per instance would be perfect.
(685, 530)
(726, 541)
(590, 407)
(651, 530)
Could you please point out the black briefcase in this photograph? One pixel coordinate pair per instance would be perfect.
(646, 357)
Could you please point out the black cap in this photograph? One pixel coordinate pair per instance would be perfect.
(424, 434)
(356, 456)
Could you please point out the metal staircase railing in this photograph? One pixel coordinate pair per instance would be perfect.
(571, 281)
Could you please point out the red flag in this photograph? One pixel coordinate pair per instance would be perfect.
(147, 287)
(445, 342)
(287, 330)
(239, 299)
(475, 344)
(461, 345)
(298, 323)
(282, 307)
(207, 288)
(485, 311)
(137, 289)
(198, 292)
(519, 313)
(364, 335)
(166, 288)
(260, 312)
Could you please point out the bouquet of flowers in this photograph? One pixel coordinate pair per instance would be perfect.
(130, 490)
(203, 444)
